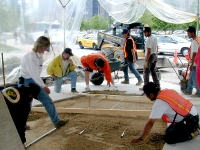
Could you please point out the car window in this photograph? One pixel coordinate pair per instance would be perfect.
(164, 39)
(94, 37)
(85, 36)
(180, 39)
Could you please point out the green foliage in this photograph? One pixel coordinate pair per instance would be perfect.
(12, 60)
(96, 22)
(9, 16)
(162, 25)
(146, 18)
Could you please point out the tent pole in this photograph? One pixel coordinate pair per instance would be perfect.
(64, 25)
(197, 17)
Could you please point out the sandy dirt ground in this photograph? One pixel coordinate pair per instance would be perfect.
(100, 132)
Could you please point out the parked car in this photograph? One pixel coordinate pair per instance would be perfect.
(170, 43)
(88, 40)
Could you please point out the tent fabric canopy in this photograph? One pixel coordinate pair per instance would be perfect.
(130, 11)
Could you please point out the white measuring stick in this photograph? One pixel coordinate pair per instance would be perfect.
(117, 104)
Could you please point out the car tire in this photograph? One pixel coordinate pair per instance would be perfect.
(184, 51)
(94, 46)
(81, 45)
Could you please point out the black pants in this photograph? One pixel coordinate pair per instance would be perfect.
(151, 69)
(181, 131)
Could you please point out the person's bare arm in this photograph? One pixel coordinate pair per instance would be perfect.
(134, 57)
(192, 60)
(148, 54)
(145, 132)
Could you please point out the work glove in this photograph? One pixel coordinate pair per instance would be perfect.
(145, 65)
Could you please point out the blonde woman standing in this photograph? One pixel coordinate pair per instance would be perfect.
(30, 70)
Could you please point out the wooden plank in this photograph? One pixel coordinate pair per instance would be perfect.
(9, 137)
(111, 112)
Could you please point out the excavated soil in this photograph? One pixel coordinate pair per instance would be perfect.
(100, 132)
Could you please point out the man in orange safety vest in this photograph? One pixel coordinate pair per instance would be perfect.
(174, 109)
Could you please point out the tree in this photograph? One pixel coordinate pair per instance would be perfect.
(98, 22)
(85, 25)
(9, 16)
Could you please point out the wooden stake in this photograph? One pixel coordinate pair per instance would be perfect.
(4, 82)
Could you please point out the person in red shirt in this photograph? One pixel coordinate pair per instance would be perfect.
(96, 61)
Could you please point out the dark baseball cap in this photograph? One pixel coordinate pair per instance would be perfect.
(125, 31)
(191, 29)
(147, 29)
(68, 51)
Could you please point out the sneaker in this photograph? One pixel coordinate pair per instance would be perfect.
(27, 127)
(73, 90)
(86, 90)
(196, 95)
(139, 82)
(186, 92)
(61, 123)
(125, 82)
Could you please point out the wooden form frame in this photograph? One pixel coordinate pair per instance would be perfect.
(110, 112)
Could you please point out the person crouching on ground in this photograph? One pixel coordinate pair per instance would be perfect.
(61, 67)
(17, 100)
(96, 61)
(174, 109)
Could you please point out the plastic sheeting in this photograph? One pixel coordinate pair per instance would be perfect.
(130, 11)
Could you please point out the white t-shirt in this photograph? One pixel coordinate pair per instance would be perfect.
(31, 67)
(161, 107)
(152, 44)
(194, 49)
(65, 65)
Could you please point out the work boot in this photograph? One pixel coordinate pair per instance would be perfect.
(196, 95)
(139, 82)
(86, 90)
(73, 90)
(186, 92)
(61, 123)
(125, 82)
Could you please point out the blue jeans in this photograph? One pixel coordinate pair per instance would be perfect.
(46, 101)
(132, 69)
(192, 81)
(58, 81)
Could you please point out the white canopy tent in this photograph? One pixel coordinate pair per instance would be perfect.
(62, 18)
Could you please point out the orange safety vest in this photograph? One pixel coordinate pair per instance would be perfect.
(178, 103)
(124, 46)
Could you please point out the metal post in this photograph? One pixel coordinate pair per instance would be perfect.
(64, 25)
(4, 82)
(197, 17)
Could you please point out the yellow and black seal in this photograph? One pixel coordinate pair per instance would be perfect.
(12, 94)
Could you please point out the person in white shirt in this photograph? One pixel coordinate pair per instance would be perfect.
(151, 48)
(30, 70)
(192, 53)
(174, 109)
